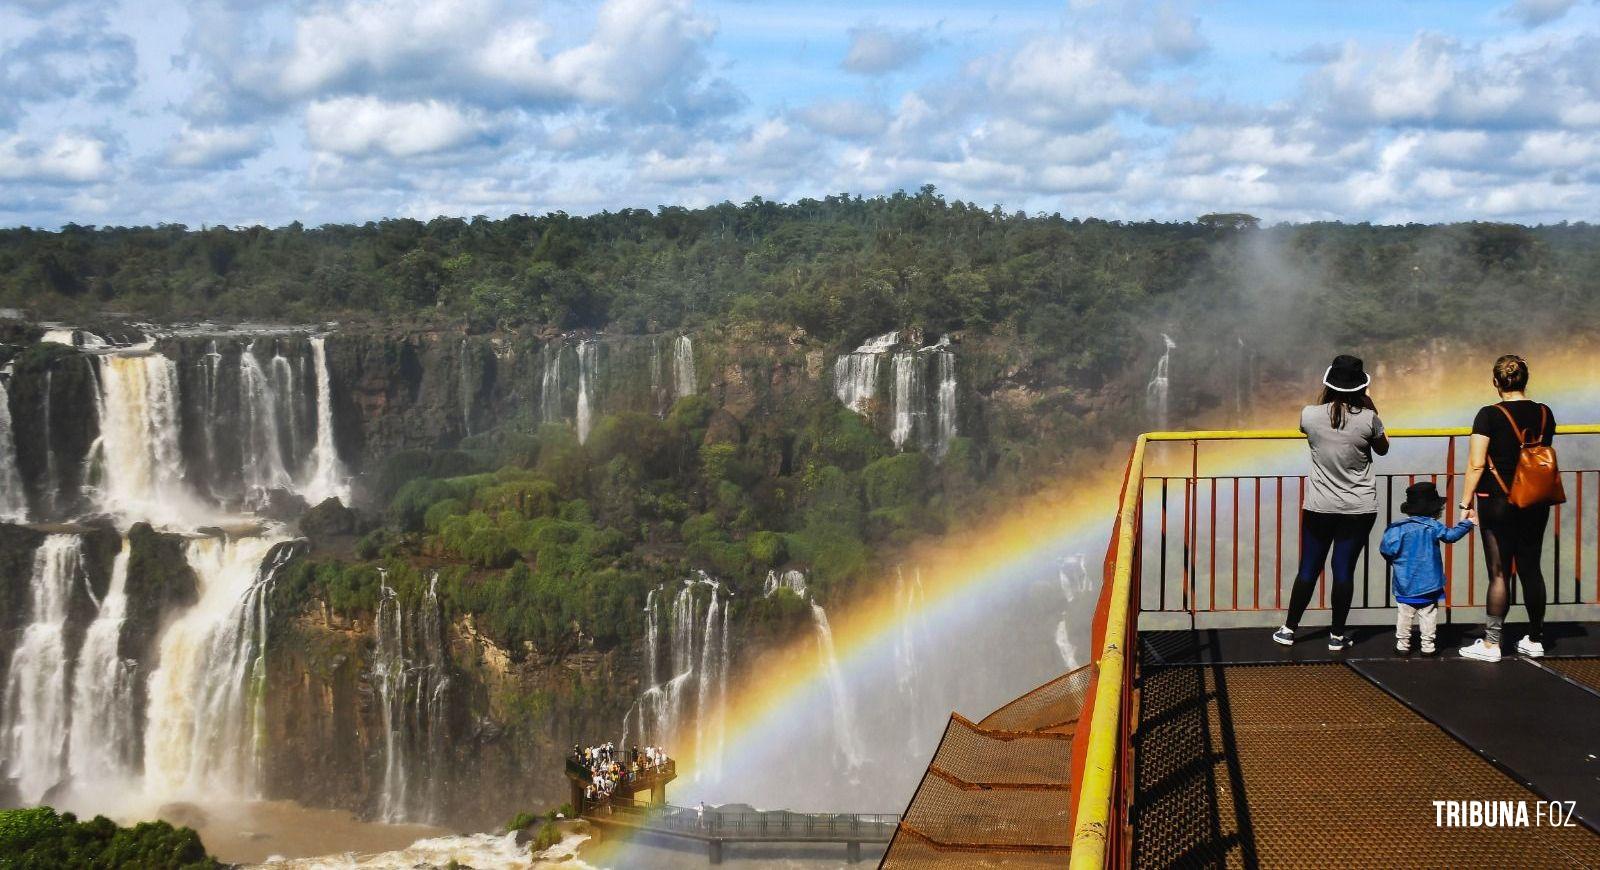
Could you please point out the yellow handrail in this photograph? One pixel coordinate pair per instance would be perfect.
(1094, 792)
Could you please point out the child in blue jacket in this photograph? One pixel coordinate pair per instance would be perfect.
(1411, 546)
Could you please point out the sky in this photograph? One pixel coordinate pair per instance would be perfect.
(242, 112)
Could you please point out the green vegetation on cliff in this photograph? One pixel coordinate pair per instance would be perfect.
(40, 838)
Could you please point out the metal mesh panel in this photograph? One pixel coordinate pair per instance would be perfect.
(1053, 706)
(996, 794)
(968, 754)
(1585, 671)
(945, 812)
(1312, 766)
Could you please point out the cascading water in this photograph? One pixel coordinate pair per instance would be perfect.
(550, 384)
(793, 581)
(13, 501)
(1073, 574)
(137, 453)
(287, 394)
(855, 374)
(410, 674)
(327, 478)
(33, 730)
(1156, 392)
(202, 736)
(588, 359)
(683, 379)
(945, 404)
(464, 384)
(264, 470)
(698, 660)
(103, 749)
(846, 738)
(910, 409)
(908, 645)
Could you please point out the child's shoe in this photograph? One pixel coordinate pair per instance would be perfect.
(1337, 642)
(1530, 648)
(1428, 647)
(1284, 635)
(1402, 647)
(1481, 651)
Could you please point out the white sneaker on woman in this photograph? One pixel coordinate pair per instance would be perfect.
(1530, 648)
(1481, 651)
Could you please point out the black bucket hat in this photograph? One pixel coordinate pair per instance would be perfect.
(1346, 375)
(1422, 500)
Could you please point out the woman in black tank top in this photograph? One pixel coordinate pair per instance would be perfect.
(1512, 536)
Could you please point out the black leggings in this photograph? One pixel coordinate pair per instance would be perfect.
(1513, 541)
(1344, 534)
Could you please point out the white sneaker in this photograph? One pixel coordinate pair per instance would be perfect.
(1481, 651)
(1530, 648)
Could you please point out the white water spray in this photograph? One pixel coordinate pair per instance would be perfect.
(855, 374)
(137, 452)
(1156, 392)
(683, 378)
(588, 358)
(550, 384)
(846, 737)
(33, 730)
(327, 478)
(13, 501)
(103, 754)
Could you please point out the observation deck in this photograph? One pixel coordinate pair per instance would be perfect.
(1194, 740)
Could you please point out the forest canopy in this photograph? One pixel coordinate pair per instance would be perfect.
(841, 267)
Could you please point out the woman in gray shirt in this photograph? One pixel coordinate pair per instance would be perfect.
(1341, 497)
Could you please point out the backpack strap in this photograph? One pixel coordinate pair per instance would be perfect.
(1522, 439)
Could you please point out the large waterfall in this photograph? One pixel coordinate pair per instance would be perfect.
(410, 673)
(265, 470)
(693, 691)
(137, 454)
(1156, 392)
(846, 738)
(326, 478)
(683, 379)
(856, 377)
(34, 718)
(202, 735)
(588, 359)
(13, 501)
(103, 751)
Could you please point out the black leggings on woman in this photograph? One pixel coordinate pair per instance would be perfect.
(1513, 541)
(1346, 536)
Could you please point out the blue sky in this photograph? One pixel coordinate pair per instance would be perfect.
(247, 111)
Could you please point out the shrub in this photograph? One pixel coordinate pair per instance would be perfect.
(767, 549)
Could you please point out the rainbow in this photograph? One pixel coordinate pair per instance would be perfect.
(971, 570)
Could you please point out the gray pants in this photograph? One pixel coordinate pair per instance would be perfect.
(1425, 616)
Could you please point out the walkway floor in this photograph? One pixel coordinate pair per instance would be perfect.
(1252, 754)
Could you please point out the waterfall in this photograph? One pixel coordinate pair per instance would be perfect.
(210, 409)
(1160, 383)
(13, 501)
(287, 394)
(794, 581)
(910, 642)
(137, 452)
(327, 478)
(550, 384)
(409, 672)
(51, 487)
(34, 708)
(945, 404)
(909, 402)
(587, 360)
(855, 374)
(103, 754)
(846, 738)
(1073, 574)
(203, 735)
(264, 469)
(683, 379)
(698, 660)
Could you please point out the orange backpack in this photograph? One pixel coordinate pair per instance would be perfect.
(1536, 482)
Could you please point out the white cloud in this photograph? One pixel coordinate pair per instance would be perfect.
(875, 49)
(68, 158)
(846, 119)
(215, 147)
(367, 126)
(1532, 13)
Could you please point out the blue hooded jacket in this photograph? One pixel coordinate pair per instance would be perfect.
(1412, 547)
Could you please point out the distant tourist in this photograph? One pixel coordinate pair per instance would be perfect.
(1341, 497)
(1411, 546)
(1512, 441)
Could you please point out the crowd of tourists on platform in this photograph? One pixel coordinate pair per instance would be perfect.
(607, 767)
(1511, 483)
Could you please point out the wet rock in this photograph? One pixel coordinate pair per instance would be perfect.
(327, 521)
